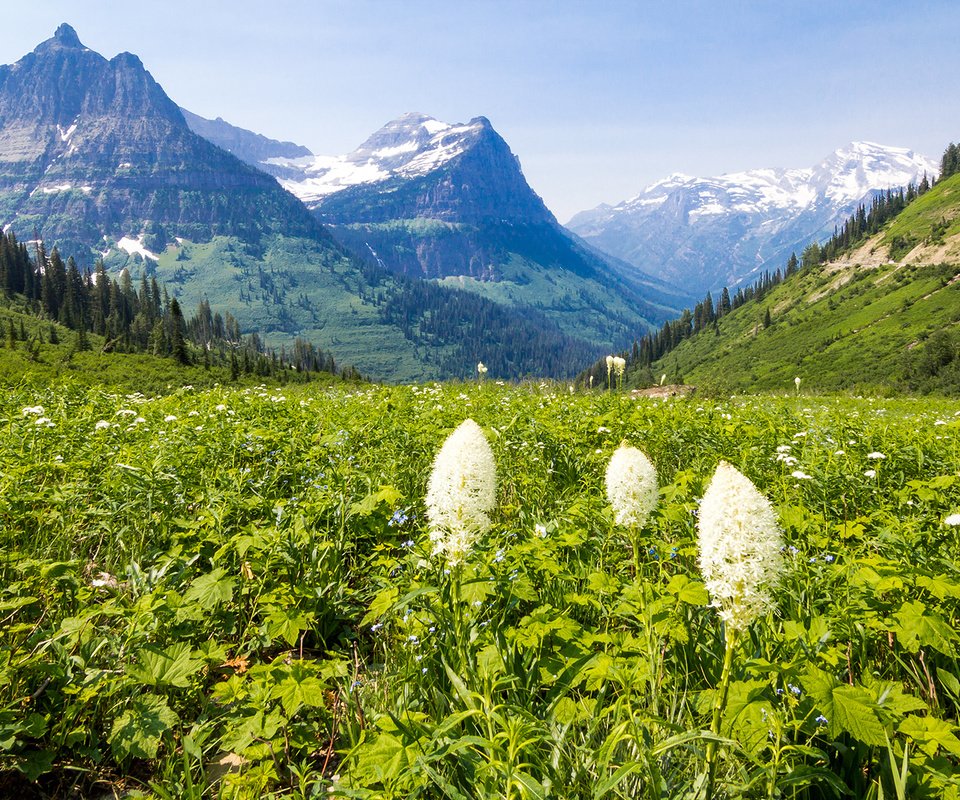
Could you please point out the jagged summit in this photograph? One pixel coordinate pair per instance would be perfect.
(66, 36)
(93, 148)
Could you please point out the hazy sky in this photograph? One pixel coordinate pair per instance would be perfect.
(598, 99)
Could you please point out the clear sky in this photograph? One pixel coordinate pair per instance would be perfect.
(598, 99)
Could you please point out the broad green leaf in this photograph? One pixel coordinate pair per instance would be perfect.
(287, 623)
(299, 688)
(210, 590)
(939, 586)
(173, 666)
(17, 602)
(34, 763)
(136, 733)
(383, 759)
(386, 494)
(916, 627)
(688, 591)
(931, 734)
(848, 709)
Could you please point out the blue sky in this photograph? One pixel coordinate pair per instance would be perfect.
(598, 99)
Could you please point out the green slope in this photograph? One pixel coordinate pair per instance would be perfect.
(389, 327)
(42, 353)
(886, 315)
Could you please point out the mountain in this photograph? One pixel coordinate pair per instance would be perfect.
(449, 202)
(253, 148)
(93, 149)
(96, 160)
(706, 233)
(885, 314)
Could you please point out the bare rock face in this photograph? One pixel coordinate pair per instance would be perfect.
(91, 147)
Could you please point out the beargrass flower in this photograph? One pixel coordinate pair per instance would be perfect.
(462, 492)
(740, 546)
(619, 366)
(631, 483)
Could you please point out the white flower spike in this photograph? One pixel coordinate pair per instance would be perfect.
(462, 492)
(631, 483)
(740, 547)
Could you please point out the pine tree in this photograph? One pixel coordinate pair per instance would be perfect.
(178, 347)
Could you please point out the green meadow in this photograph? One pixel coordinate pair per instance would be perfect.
(232, 593)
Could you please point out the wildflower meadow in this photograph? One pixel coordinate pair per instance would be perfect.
(478, 591)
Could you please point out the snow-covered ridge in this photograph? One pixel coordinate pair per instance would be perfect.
(845, 176)
(408, 147)
(706, 233)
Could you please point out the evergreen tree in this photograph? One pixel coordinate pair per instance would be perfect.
(178, 346)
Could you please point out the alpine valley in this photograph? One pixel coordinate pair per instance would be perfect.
(415, 256)
(97, 161)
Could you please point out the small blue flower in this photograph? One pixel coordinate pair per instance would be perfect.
(822, 720)
(828, 558)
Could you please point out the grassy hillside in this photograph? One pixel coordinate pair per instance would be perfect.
(41, 353)
(884, 316)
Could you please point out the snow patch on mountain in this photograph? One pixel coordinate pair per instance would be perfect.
(408, 147)
(133, 246)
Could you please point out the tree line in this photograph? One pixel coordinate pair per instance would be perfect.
(142, 319)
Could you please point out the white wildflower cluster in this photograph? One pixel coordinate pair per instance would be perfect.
(615, 365)
(740, 546)
(462, 492)
(952, 520)
(631, 483)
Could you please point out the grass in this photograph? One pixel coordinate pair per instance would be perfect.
(231, 593)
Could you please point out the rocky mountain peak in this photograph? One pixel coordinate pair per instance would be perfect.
(66, 36)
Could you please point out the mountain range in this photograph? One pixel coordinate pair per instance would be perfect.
(449, 202)
(707, 233)
(98, 161)
(416, 255)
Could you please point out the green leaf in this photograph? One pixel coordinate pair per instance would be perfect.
(386, 494)
(299, 688)
(380, 605)
(17, 602)
(848, 709)
(287, 624)
(136, 733)
(35, 763)
(939, 586)
(383, 759)
(931, 734)
(170, 667)
(210, 590)
(688, 591)
(916, 627)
